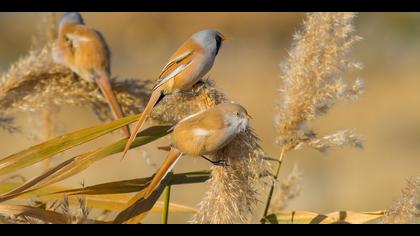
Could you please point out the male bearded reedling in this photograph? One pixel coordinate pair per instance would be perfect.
(186, 67)
(201, 134)
(85, 52)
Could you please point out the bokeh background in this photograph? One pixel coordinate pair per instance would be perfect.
(247, 70)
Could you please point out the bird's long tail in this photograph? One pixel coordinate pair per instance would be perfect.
(104, 84)
(171, 159)
(156, 95)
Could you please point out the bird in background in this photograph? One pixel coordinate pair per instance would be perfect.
(85, 51)
(201, 134)
(188, 65)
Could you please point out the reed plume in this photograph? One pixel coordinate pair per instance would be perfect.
(406, 210)
(313, 83)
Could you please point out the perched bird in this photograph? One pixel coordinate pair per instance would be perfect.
(85, 51)
(186, 67)
(201, 134)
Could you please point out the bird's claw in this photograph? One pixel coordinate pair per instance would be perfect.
(222, 163)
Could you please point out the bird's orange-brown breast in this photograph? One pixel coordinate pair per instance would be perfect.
(201, 133)
(90, 55)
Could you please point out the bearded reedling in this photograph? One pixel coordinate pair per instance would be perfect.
(85, 51)
(202, 134)
(186, 67)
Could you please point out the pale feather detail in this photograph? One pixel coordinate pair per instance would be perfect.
(236, 125)
(191, 116)
(176, 60)
(77, 39)
(57, 56)
(173, 74)
(186, 118)
(201, 132)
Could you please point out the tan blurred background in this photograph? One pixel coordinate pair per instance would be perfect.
(387, 115)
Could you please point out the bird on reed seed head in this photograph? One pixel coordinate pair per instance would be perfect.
(85, 51)
(185, 68)
(201, 134)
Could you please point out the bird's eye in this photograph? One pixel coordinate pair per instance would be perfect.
(238, 114)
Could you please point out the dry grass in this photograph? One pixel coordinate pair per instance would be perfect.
(77, 214)
(313, 83)
(406, 210)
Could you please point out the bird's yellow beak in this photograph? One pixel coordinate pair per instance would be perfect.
(224, 37)
(249, 117)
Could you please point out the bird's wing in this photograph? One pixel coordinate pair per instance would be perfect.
(76, 39)
(174, 67)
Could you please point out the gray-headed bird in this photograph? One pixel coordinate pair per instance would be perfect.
(186, 67)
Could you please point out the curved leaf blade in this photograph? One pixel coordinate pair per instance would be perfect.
(138, 207)
(77, 164)
(33, 212)
(135, 185)
(59, 144)
(339, 217)
(110, 202)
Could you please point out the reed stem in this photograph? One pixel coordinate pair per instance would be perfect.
(270, 194)
(165, 213)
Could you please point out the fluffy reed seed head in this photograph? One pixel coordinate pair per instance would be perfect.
(234, 189)
(312, 80)
(406, 210)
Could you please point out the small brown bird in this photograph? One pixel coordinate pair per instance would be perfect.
(85, 51)
(201, 134)
(186, 67)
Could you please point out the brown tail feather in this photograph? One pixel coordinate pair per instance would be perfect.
(167, 166)
(146, 112)
(104, 84)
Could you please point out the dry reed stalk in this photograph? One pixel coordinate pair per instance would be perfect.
(313, 83)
